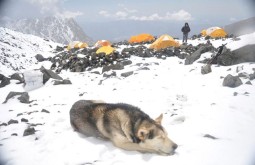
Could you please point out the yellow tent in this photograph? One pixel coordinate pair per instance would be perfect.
(76, 44)
(102, 43)
(203, 32)
(105, 49)
(216, 32)
(81, 45)
(164, 41)
(141, 38)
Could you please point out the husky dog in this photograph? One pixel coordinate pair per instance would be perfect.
(125, 125)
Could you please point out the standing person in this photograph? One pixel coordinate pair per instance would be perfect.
(185, 31)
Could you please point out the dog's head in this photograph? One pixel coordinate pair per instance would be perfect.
(154, 138)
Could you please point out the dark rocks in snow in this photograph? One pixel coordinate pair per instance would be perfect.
(47, 74)
(29, 131)
(24, 120)
(13, 122)
(17, 76)
(4, 81)
(45, 111)
(59, 48)
(3, 124)
(196, 55)
(206, 69)
(248, 83)
(241, 55)
(62, 82)
(40, 58)
(24, 97)
(126, 74)
(118, 66)
(252, 76)
(232, 81)
(210, 136)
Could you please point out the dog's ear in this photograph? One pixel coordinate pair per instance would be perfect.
(142, 133)
(159, 119)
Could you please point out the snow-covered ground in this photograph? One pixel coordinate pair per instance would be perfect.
(196, 108)
(18, 50)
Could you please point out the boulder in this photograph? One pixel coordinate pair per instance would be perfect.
(17, 76)
(39, 58)
(196, 55)
(241, 55)
(24, 97)
(47, 74)
(232, 81)
(62, 82)
(118, 66)
(126, 74)
(29, 131)
(4, 81)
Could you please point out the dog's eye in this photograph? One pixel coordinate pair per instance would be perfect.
(151, 135)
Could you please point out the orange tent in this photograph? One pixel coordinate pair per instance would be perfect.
(164, 41)
(101, 43)
(141, 38)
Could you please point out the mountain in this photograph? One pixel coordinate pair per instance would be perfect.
(57, 29)
(18, 50)
(241, 27)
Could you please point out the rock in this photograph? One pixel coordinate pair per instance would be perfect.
(117, 66)
(24, 120)
(3, 124)
(196, 55)
(232, 81)
(210, 136)
(40, 58)
(63, 82)
(14, 134)
(59, 49)
(45, 111)
(206, 69)
(17, 76)
(4, 81)
(13, 122)
(47, 74)
(24, 98)
(126, 74)
(29, 131)
(252, 76)
(248, 83)
(126, 62)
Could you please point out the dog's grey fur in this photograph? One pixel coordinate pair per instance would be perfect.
(126, 126)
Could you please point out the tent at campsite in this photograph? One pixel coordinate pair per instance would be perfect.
(203, 32)
(105, 49)
(101, 43)
(77, 44)
(164, 41)
(141, 38)
(215, 32)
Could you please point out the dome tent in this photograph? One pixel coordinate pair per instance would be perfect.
(164, 41)
(203, 32)
(105, 49)
(101, 43)
(77, 44)
(215, 32)
(141, 38)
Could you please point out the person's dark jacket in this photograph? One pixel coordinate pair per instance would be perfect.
(185, 29)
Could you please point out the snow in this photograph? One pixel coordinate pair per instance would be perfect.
(194, 105)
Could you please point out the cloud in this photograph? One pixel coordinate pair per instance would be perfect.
(70, 14)
(180, 15)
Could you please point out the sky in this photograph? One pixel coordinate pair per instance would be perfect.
(90, 13)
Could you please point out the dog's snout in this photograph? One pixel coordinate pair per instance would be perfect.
(175, 146)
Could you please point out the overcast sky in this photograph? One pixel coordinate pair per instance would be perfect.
(218, 12)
